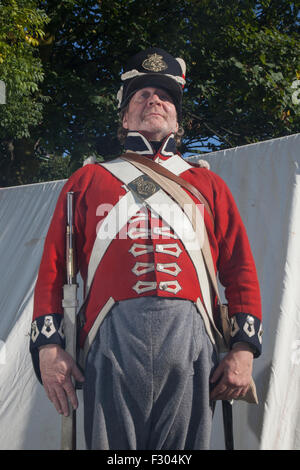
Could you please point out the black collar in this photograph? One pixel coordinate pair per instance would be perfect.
(137, 142)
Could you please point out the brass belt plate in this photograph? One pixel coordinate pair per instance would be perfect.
(144, 186)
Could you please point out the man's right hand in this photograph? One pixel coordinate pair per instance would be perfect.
(57, 369)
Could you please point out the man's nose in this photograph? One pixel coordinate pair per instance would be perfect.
(154, 99)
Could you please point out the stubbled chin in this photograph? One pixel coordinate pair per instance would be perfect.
(154, 122)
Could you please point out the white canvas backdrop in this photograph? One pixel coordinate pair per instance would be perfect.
(264, 179)
(27, 420)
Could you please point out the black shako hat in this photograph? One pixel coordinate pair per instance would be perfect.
(153, 67)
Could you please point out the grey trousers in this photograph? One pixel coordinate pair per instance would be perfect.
(147, 378)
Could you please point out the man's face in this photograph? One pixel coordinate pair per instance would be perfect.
(151, 111)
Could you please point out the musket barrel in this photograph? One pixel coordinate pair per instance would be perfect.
(68, 438)
(70, 254)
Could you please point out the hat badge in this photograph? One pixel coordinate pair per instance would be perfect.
(154, 63)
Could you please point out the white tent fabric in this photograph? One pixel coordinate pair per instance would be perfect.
(27, 420)
(264, 179)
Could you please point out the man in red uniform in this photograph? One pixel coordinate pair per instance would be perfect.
(150, 364)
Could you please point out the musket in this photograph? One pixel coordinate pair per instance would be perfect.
(70, 303)
(228, 424)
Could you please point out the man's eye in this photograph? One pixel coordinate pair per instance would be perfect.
(142, 96)
(164, 97)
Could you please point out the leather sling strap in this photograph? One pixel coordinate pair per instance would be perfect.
(134, 157)
(151, 169)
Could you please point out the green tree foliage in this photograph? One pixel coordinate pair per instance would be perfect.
(21, 27)
(242, 59)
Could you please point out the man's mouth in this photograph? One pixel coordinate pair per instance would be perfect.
(153, 114)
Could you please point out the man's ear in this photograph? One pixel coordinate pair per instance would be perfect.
(177, 127)
(125, 120)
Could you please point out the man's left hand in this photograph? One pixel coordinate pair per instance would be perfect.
(233, 375)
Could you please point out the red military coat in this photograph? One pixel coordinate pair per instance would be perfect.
(145, 258)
